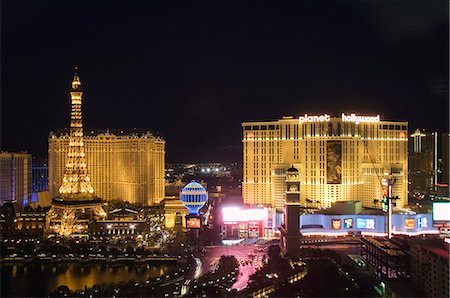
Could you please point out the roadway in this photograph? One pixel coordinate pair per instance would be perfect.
(249, 257)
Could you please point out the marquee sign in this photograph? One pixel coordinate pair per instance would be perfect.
(357, 119)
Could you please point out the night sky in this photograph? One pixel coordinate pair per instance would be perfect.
(193, 71)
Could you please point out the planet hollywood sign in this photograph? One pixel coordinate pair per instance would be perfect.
(345, 118)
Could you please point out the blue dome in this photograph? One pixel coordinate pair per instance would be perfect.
(194, 197)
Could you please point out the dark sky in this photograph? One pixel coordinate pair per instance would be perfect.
(194, 70)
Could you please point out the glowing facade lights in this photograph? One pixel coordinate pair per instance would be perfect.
(340, 158)
(76, 182)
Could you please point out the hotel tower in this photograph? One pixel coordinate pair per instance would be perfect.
(341, 158)
(123, 165)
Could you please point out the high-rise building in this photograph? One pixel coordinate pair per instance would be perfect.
(444, 169)
(126, 166)
(339, 159)
(428, 160)
(15, 176)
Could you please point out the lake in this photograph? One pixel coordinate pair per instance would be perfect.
(39, 279)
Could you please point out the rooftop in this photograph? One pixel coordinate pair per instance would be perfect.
(134, 132)
(436, 246)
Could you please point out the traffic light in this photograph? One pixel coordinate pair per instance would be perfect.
(385, 204)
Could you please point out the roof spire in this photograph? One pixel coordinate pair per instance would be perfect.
(76, 83)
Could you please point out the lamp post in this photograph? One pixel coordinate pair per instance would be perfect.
(389, 182)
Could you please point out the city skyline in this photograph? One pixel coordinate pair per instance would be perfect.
(203, 69)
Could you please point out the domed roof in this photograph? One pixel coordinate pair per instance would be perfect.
(292, 170)
(193, 196)
(193, 188)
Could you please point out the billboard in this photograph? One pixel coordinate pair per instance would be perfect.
(334, 162)
(423, 222)
(410, 223)
(193, 223)
(236, 214)
(348, 223)
(365, 223)
(335, 224)
(441, 212)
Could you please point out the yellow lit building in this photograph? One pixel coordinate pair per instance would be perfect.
(339, 159)
(128, 167)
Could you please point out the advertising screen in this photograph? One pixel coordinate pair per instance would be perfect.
(348, 223)
(334, 162)
(193, 223)
(410, 223)
(236, 214)
(365, 223)
(441, 211)
(335, 224)
(423, 222)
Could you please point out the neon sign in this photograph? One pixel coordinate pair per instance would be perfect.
(321, 118)
(345, 118)
(360, 119)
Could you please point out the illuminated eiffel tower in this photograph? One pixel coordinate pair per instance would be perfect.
(77, 205)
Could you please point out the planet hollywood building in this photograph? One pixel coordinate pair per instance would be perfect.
(340, 158)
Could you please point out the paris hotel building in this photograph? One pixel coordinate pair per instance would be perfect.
(343, 158)
(123, 166)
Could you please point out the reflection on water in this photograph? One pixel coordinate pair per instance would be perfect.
(41, 279)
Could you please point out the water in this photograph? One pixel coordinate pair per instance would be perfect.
(40, 279)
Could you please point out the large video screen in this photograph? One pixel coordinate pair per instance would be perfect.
(236, 214)
(365, 223)
(193, 223)
(334, 162)
(441, 211)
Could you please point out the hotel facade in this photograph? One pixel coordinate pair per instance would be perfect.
(339, 159)
(121, 166)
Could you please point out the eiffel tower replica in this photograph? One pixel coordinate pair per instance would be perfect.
(77, 207)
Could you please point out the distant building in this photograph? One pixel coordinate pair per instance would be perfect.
(126, 166)
(39, 175)
(338, 158)
(428, 160)
(15, 176)
(445, 167)
(430, 266)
